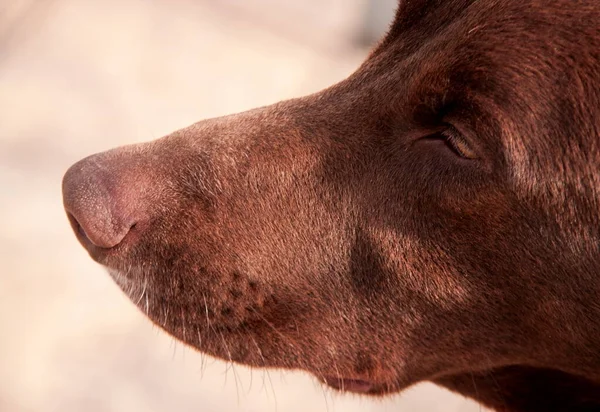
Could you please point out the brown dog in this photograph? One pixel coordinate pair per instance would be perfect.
(435, 216)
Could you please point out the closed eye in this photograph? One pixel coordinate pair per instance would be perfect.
(455, 142)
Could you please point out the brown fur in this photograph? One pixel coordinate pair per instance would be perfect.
(340, 234)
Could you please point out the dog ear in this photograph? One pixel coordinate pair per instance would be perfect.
(410, 12)
(417, 8)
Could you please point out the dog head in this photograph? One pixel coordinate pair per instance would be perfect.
(433, 214)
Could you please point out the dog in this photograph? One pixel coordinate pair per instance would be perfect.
(433, 217)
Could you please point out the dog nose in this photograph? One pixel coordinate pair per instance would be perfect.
(101, 200)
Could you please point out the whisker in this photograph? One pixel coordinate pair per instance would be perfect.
(259, 351)
(142, 294)
(475, 387)
(147, 304)
(272, 388)
(183, 324)
(202, 355)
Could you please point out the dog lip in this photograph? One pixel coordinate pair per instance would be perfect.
(349, 385)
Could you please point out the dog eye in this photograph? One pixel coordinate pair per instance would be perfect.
(455, 142)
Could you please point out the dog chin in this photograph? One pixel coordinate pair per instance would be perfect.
(357, 386)
(133, 282)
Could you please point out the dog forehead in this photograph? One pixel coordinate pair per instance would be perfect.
(413, 12)
(428, 16)
(524, 59)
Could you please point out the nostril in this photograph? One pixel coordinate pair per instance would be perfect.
(80, 229)
(76, 226)
(104, 239)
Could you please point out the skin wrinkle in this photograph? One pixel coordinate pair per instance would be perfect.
(338, 234)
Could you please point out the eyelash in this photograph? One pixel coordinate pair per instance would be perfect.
(455, 142)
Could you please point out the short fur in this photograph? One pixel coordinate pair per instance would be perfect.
(339, 234)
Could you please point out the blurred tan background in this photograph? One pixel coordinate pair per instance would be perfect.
(81, 76)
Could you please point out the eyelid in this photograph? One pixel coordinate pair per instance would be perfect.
(456, 142)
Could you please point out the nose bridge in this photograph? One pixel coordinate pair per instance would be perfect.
(221, 151)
